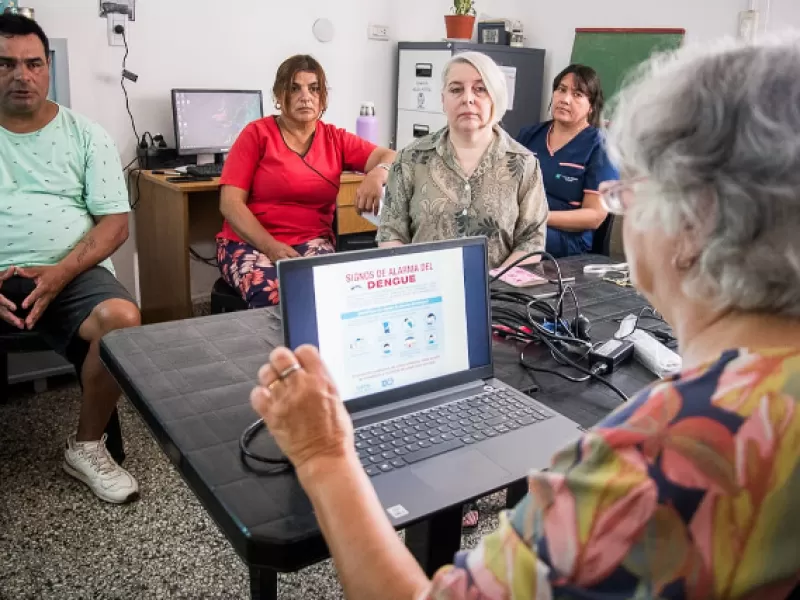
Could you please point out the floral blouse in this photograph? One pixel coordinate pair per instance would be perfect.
(688, 491)
(429, 198)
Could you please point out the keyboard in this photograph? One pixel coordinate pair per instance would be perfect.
(402, 441)
(209, 170)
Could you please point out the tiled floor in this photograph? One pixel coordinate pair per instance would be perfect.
(57, 541)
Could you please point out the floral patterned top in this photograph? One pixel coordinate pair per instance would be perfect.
(689, 491)
(429, 198)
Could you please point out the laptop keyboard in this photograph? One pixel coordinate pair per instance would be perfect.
(396, 443)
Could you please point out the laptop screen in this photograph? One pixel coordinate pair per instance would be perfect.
(384, 320)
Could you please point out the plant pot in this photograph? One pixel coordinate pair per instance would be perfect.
(459, 27)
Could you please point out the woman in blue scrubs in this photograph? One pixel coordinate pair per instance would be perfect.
(573, 160)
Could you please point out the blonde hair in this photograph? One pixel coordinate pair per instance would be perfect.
(493, 78)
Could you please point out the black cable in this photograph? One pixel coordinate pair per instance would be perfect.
(505, 320)
(545, 334)
(583, 355)
(583, 379)
(509, 312)
(125, 90)
(653, 316)
(663, 336)
(546, 311)
(526, 326)
(510, 296)
(595, 375)
(209, 261)
(525, 323)
(138, 172)
(138, 187)
(128, 180)
(247, 437)
(126, 167)
(525, 365)
(576, 304)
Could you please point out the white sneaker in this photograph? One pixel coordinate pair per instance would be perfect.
(91, 463)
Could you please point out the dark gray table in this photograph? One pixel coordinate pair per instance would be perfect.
(191, 380)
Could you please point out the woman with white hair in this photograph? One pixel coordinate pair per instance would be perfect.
(691, 489)
(469, 178)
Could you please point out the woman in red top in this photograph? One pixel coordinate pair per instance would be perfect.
(281, 179)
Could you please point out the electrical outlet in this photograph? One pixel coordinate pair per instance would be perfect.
(113, 19)
(748, 25)
(378, 32)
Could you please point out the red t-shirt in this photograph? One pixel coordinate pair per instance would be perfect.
(293, 197)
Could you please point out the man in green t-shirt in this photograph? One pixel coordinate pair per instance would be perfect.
(63, 213)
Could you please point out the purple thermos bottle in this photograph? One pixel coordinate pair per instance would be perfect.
(367, 123)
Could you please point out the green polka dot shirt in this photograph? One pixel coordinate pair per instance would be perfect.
(52, 183)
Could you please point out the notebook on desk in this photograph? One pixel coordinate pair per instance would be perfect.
(406, 336)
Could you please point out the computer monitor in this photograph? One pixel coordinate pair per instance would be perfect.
(209, 121)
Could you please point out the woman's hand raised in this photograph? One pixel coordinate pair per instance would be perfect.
(302, 409)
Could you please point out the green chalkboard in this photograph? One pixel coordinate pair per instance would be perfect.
(613, 53)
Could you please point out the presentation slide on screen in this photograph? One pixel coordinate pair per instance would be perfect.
(389, 322)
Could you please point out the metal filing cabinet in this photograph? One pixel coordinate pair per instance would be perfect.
(419, 86)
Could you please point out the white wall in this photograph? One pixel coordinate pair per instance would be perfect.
(239, 44)
(782, 14)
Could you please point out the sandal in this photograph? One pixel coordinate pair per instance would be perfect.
(471, 517)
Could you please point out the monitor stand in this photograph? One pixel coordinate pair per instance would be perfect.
(207, 159)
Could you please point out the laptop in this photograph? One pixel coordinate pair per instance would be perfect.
(406, 335)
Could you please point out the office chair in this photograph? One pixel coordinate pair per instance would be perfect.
(225, 299)
(601, 242)
(14, 342)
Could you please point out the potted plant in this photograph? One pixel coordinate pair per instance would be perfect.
(461, 23)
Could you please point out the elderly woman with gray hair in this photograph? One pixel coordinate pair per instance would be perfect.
(471, 177)
(691, 489)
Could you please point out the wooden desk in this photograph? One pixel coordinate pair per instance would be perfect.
(348, 221)
(171, 216)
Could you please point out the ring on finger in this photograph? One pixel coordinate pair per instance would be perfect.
(288, 371)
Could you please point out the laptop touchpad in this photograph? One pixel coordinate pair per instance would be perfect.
(462, 472)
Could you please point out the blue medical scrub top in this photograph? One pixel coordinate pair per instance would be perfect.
(577, 168)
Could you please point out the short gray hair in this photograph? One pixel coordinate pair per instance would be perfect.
(493, 78)
(716, 130)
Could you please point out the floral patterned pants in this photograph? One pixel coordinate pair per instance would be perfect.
(254, 275)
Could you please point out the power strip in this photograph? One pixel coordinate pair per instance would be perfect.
(654, 355)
